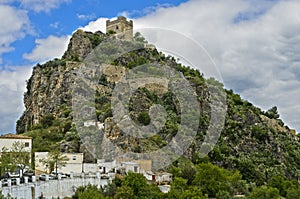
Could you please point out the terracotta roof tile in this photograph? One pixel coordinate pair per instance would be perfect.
(14, 136)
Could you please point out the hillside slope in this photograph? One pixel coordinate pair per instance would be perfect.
(255, 142)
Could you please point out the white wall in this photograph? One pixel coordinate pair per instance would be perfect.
(38, 165)
(73, 164)
(8, 143)
(90, 168)
(53, 188)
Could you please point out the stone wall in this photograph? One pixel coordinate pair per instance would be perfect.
(122, 27)
(53, 188)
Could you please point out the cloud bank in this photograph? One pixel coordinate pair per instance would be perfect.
(37, 5)
(14, 27)
(49, 48)
(12, 87)
(256, 49)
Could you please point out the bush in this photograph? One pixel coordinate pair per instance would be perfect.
(144, 118)
(293, 193)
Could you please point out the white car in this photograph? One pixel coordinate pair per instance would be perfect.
(13, 175)
(62, 175)
(4, 182)
(44, 177)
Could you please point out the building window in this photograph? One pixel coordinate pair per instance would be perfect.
(74, 157)
(26, 144)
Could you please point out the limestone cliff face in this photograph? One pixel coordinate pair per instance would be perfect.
(48, 89)
(47, 92)
(81, 44)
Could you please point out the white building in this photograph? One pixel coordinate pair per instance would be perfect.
(7, 141)
(106, 167)
(163, 177)
(90, 168)
(39, 166)
(130, 166)
(17, 144)
(73, 163)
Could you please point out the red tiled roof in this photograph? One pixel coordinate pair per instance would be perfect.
(14, 136)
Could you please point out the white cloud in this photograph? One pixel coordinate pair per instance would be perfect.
(145, 11)
(12, 95)
(48, 48)
(39, 6)
(93, 26)
(54, 25)
(256, 48)
(14, 27)
(86, 17)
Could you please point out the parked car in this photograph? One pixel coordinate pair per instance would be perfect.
(104, 176)
(14, 181)
(4, 182)
(28, 173)
(59, 173)
(44, 176)
(6, 175)
(13, 174)
(22, 180)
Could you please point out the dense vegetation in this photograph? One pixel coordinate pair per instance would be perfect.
(256, 154)
(199, 181)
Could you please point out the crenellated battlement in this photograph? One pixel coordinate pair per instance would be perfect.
(122, 27)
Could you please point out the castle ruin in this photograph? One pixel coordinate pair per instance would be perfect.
(120, 26)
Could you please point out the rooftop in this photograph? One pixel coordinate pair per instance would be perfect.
(14, 136)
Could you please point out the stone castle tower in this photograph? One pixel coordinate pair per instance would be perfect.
(122, 27)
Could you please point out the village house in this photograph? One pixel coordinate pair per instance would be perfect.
(106, 167)
(163, 177)
(73, 163)
(158, 177)
(144, 165)
(7, 141)
(129, 167)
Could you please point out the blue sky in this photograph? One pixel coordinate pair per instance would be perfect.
(67, 16)
(254, 43)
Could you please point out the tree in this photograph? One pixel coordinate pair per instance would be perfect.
(137, 182)
(293, 193)
(125, 192)
(88, 192)
(110, 189)
(20, 156)
(188, 172)
(139, 38)
(212, 179)
(264, 192)
(278, 182)
(6, 163)
(193, 192)
(3, 197)
(223, 195)
(47, 120)
(273, 113)
(55, 160)
(179, 184)
(91, 193)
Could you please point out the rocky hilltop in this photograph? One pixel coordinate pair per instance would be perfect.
(255, 142)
